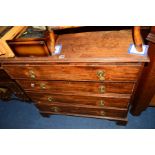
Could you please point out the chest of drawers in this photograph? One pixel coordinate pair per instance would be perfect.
(93, 76)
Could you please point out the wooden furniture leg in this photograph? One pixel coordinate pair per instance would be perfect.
(137, 38)
(146, 86)
(51, 36)
(44, 114)
(122, 123)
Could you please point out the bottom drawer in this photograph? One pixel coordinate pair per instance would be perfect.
(87, 111)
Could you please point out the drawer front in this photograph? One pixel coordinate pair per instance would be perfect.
(77, 110)
(77, 87)
(75, 72)
(99, 101)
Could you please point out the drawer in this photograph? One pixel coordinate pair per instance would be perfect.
(77, 87)
(84, 111)
(75, 72)
(120, 101)
(27, 47)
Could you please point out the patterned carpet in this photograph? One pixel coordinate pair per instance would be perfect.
(20, 115)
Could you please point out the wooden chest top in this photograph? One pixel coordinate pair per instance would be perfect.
(102, 46)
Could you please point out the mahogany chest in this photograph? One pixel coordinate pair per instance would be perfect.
(93, 76)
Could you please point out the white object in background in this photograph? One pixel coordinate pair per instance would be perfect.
(57, 49)
(132, 50)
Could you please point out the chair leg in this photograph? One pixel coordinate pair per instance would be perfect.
(51, 41)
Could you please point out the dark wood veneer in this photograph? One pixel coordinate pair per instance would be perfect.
(120, 101)
(74, 73)
(78, 87)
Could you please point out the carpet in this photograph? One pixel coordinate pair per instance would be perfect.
(15, 114)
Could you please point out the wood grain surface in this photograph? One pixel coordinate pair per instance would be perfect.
(116, 100)
(78, 87)
(74, 72)
(102, 46)
(63, 109)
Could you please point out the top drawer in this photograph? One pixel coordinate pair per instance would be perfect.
(125, 72)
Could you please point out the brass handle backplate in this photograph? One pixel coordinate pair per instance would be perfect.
(101, 75)
(102, 113)
(32, 74)
(102, 89)
(101, 103)
(42, 86)
(50, 99)
(55, 109)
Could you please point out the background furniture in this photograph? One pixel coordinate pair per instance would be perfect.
(146, 87)
(9, 87)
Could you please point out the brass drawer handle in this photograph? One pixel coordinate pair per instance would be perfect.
(42, 86)
(102, 113)
(54, 109)
(102, 103)
(102, 89)
(50, 99)
(101, 75)
(32, 74)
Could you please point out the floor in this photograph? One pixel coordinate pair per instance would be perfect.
(15, 114)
